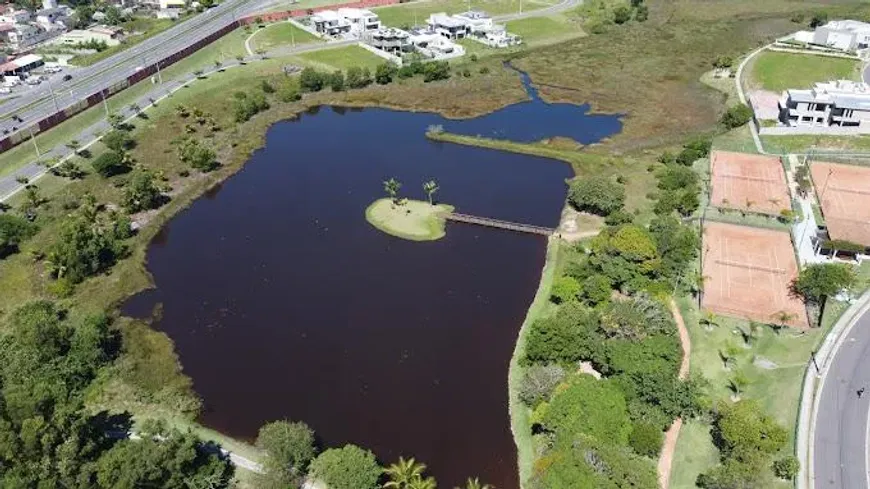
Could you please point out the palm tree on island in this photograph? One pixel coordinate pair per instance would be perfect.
(403, 473)
(391, 187)
(430, 188)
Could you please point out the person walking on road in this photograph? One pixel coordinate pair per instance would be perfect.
(860, 392)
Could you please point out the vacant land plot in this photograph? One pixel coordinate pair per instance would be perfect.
(749, 182)
(748, 272)
(342, 58)
(537, 31)
(844, 192)
(804, 143)
(416, 13)
(281, 34)
(779, 71)
(143, 28)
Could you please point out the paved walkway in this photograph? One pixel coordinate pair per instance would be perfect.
(666, 458)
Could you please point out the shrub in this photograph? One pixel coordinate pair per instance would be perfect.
(436, 70)
(621, 14)
(646, 439)
(787, 467)
(596, 289)
(110, 163)
(288, 95)
(13, 230)
(538, 383)
(336, 81)
(266, 87)
(598, 195)
(311, 80)
(117, 140)
(385, 72)
(565, 289)
(349, 467)
(737, 116)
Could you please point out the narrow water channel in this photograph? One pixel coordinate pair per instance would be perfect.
(283, 302)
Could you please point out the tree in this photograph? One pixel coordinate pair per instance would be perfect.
(392, 187)
(641, 13)
(423, 483)
(786, 467)
(289, 447)
(743, 428)
(736, 116)
(817, 282)
(110, 163)
(349, 467)
(134, 108)
(118, 140)
(782, 319)
(197, 155)
(565, 289)
(74, 146)
(310, 80)
(403, 472)
(142, 192)
(598, 195)
(709, 320)
(819, 19)
(538, 383)
(115, 120)
(384, 73)
(589, 407)
(436, 70)
(430, 188)
(114, 16)
(646, 439)
(336, 81)
(13, 231)
(358, 78)
(722, 62)
(621, 14)
(476, 484)
(738, 382)
(596, 289)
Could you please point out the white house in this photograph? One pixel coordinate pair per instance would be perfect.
(846, 35)
(449, 26)
(433, 45)
(840, 103)
(330, 23)
(109, 35)
(391, 40)
(361, 20)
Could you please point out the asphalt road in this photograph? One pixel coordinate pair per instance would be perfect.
(865, 75)
(841, 425)
(37, 103)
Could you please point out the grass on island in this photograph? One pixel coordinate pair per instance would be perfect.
(341, 58)
(409, 14)
(281, 34)
(145, 27)
(413, 220)
(776, 71)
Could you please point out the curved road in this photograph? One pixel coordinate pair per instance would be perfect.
(841, 422)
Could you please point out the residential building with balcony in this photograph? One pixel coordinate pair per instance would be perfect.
(330, 23)
(449, 26)
(840, 103)
(361, 20)
(845, 35)
(391, 40)
(432, 45)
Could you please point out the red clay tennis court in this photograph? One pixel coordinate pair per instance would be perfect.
(844, 193)
(748, 272)
(748, 182)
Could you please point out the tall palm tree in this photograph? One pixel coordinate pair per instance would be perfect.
(74, 145)
(476, 484)
(430, 188)
(403, 472)
(782, 319)
(709, 320)
(421, 483)
(391, 187)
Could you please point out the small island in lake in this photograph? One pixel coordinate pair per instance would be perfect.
(409, 219)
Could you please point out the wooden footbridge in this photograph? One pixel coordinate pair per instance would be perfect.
(497, 223)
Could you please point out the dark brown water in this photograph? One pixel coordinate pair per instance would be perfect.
(283, 302)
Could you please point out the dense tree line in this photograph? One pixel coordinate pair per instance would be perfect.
(311, 80)
(47, 440)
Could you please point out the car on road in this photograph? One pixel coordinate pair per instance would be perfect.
(67, 77)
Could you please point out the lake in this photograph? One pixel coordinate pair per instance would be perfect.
(283, 302)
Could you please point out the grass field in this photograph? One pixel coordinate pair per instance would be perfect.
(537, 31)
(341, 58)
(412, 220)
(633, 69)
(777, 71)
(146, 27)
(695, 453)
(302, 4)
(810, 143)
(415, 13)
(281, 34)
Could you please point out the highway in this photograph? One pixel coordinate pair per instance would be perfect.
(841, 422)
(38, 103)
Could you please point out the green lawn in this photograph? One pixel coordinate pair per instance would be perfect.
(413, 220)
(694, 454)
(341, 58)
(146, 27)
(779, 71)
(545, 30)
(808, 143)
(416, 13)
(738, 139)
(279, 34)
(302, 4)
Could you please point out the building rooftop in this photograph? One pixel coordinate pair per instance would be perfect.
(474, 15)
(355, 13)
(326, 15)
(847, 25)
(390, 32)
(845, 94)
(445, 20)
